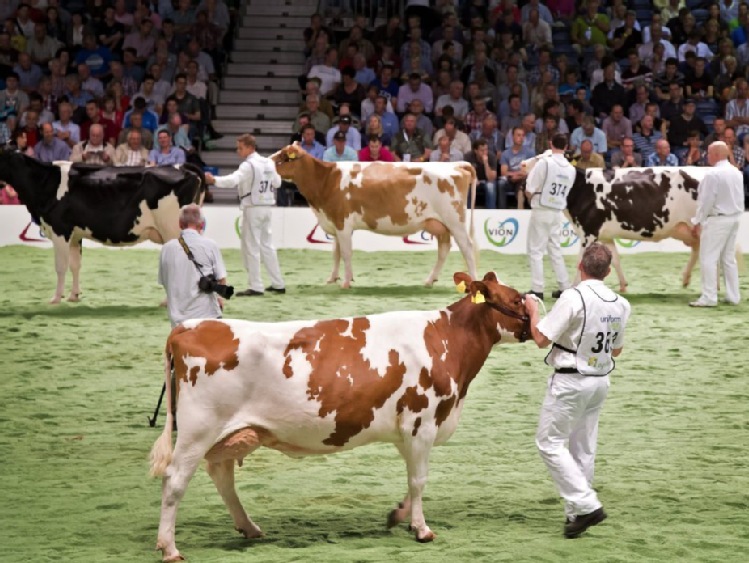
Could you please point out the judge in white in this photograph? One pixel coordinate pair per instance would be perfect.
(720, 203)
(586, 327)
(547, 188)
(256, 181)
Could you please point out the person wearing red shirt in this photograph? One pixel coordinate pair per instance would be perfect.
(376, 152)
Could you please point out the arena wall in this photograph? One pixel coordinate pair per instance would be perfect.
(501, 230)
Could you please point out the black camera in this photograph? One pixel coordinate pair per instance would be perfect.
(208, 284)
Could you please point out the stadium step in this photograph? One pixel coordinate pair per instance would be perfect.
(297, 8)
(274, 33)
(298, 23)
(258, 112)
(262, 83)
(268, 57)
(258, 97)
(265, 70)
(254, 126)
(266, 142)
(287, 45)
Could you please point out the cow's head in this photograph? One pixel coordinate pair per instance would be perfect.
(290, 161)
(504, 304)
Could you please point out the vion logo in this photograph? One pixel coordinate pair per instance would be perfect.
(422, 237)
(318, 236)
(568, 237)
(627, 243)
(501, 233)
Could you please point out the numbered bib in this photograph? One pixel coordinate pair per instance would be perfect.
(560, 177)
(263, 192)
(604, 321)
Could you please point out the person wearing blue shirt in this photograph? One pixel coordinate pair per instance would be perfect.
(309, 144)
(150, 119)
(97, 58)
(589, 131)
(166, 154)
(340, 151)
(353, 137)
(662, 155)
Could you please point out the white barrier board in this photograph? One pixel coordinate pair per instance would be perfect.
(503, 231)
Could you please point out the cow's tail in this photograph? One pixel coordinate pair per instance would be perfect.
(161, 452)
(472, 225)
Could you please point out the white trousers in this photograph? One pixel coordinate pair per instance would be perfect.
(257, 244)
(544, 235)
(569, 414)
(718, 246)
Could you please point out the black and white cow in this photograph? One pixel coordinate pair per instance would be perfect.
(114, 206)
(648, 204)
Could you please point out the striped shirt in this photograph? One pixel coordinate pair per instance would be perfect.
(646, 145)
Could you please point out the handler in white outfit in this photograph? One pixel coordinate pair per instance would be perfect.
(547, 188)
(586, 327)
(256, 180)
(720, 203)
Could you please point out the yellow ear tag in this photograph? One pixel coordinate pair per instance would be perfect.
(461, 287)
(292, 155)
(478, 298)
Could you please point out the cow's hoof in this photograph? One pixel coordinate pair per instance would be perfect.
(425, 537)
(333, 279)
(394, 518)
(251, 532)
(175, 557)
(429, 283)
(346, 285)
(74, 298)
(55, 300)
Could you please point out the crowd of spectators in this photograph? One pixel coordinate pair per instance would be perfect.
(117, 82)
(487, 82)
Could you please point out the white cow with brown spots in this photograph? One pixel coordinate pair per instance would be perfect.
(387, 198)
(320, 387)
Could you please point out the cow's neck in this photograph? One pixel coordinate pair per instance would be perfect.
(323, 177)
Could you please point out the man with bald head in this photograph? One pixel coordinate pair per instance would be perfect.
(720, 204)
(50, 148)
(95, 150)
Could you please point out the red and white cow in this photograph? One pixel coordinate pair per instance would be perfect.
(320, 387)
(649, 204)
(387, 198)
(114, 206)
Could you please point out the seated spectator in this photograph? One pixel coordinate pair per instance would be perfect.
(415, 38)
(616, 127)
(41, 47)
(9, 196)
(423, 123)
(35, 104)
(536, 31)
(352, 135)
(65, 129)
(552, 108)
(718, 134)
(674, 105)
(512, 79)
(544, 66)
(94, 150)
(414, 89)
(317, 118)
(590, 28)
(662, 155)
(390, 124)
(364, 74)
(528, 125)
(20, 143)
(699, 82)
(695, 45)
(131, 153)
(485, 164)
(737, 109)
(50, 148)
(375, 151)
(454, 99)
(389, 32)
(588, 131)
(626, 157)
(136, 124)
(165, 154)
(607, 94)
(29, 74)
(368, 105)
(141, 39)
(387, 85)
(735, 151)
(458, 140)
(31, 128)
(150, 119)
(110, 32)
(729, 74)
(512, 115)
(682, 125)
(588, 158)
(694, 155)
(96, 57)
(549, 129)
(490, 133)
(328, 73)
(445, 152)
(309, 144)
(416, 62)
(481, 66)
(670, 76)
(56, 27)
(356, 37)
(410, 144)
(476, 116)
(349, 91)
(512, 175)
(154, 100)
(187, 103)
(178, 131)
(627, 37)
(93, 116)
(312, 88)
(636, 73)
(637, 109)
(657, 18)
(388, 57)
(301, 120)
(646, 50)
(646, 139)
(340, 151)
(89, 83)
(570, 85)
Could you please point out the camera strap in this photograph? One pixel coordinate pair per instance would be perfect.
(187, 250)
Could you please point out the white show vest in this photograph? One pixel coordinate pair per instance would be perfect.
(560, 177)
(605, 315)
(265, 180)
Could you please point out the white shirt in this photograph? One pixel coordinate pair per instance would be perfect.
(646, 34)
(180, 277)
(564, 324)
(245, 179)
(329, 76)
(546, 171)
(721, 192)
(701, 50)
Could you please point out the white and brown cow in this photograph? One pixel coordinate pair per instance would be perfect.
(387, 198)
(114, 206)
(648, 204)
(320, 387)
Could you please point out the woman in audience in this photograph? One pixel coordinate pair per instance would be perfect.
(116, 92)
(109, 111)
(55, 27)
(374, 127)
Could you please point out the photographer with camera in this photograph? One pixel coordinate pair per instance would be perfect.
(192, 271)
(256, 180)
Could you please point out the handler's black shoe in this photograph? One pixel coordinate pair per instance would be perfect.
(278, 290)
(556, 294)
(538, 294)
(581, 523)
(248, 293)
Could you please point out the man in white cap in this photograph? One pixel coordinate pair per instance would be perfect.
(720, 204)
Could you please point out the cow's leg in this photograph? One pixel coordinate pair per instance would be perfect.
(686, 276)
(415, 451)
(683, 232)
(334, 276)
(616, 263)
(181, 469)
(464, 242)
(222, 474)
(76, 254)
(62, 261)
(346, 248)
(398, 515)
(443, 250)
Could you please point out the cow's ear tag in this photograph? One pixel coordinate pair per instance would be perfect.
(461, 287)
(478, 298)
(292, 155)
